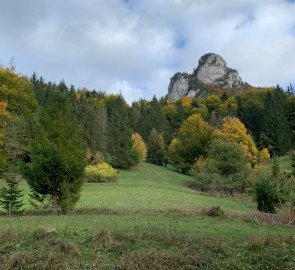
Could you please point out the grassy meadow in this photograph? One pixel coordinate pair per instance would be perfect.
(148, 219)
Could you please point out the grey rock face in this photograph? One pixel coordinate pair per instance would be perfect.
(178, 86)
(212, 69)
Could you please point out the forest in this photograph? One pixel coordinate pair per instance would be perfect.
(56, 137)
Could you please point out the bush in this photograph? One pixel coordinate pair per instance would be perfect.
(213, 182)
(226, 158)
(100, 173)
(265, 192)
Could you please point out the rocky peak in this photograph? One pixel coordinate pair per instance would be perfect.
(211, 70)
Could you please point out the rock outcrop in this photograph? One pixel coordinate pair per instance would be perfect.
(211, 70)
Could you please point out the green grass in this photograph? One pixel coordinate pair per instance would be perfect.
(285, 163)
(149, 187)
(148, 219)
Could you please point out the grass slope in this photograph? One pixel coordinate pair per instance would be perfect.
(150, 187)
(146, 220)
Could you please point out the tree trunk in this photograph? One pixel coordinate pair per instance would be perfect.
(54, 204)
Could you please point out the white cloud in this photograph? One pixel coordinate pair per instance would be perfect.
(136, 46)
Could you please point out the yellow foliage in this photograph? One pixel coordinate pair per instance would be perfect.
(264, 155)
(234, 131)
(3, 107)
(139, 146)
(102, 172)
(170, 111)
(230, 105)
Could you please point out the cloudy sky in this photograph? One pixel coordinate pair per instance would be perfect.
(135, 46)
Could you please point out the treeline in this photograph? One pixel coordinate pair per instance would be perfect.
(49, 132)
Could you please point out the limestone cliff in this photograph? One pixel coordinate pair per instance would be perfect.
(211, 70)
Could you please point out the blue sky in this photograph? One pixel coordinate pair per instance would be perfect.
(135, 46)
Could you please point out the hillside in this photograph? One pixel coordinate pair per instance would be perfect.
(148, 219)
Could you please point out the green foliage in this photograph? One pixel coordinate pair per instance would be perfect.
(265, 192)
(100, 173)
(251, 112)
(57, 155)
(119, 135)
(276, 125)
(290, 115)
(293, 164)
(146, 115)
(91, 113)
(11, 196)
(192, 142)
(39, 201)
(226, 158)
(213, 182)
(156, 148)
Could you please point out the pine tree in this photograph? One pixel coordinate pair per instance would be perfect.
(57, 155)
(11, 196)
(156, 148)
(119, 134)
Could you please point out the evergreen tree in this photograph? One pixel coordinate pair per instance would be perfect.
(119, 134)
(276, 125)
(251, 112)
(156, 148)
(57, 155)
(290, 114)
(293, 164)
(158, 118)
(11, 196)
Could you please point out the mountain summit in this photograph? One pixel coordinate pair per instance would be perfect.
(212, 70)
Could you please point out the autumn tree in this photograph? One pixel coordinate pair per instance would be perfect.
(233, 130)
(192, 142)
(139, 146)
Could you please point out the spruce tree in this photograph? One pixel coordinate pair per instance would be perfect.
(156, 148)
(11, 196)
(119, 134)
(276, 125)
(57, 158)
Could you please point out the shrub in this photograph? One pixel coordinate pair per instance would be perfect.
(100, 173)
(213, 182)
(215, 211)
(265, 192)
(226, 158)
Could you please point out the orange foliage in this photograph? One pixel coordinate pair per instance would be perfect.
(186, 101)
